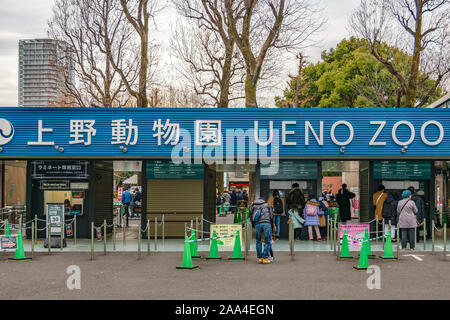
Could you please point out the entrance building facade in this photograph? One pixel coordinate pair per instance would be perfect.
(69, 153)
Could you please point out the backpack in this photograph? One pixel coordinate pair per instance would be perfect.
(311, 210)
(277, 205)
(257, 215)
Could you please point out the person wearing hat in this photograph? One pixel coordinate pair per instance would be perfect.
(407, 221)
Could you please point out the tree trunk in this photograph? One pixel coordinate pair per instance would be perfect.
(142, 100)
(250, 92)
(226, 79)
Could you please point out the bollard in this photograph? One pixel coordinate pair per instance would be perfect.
(432, 236)
(148, 236)
(114, 236)
(49, 238)
(139, 241)
(104, 236)
(36, 226)
(75, 229)
(62, 236)
(156, 233)
(163, 231)
(92, 241)
(32, 240)
(424, 234)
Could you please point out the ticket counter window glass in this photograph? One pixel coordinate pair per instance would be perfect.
(72, 200)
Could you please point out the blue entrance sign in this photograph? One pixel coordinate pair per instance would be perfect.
(161, 133)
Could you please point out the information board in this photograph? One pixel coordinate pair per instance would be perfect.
(55, 216)
(402, 170)
(356, 231)
(168, 170)
(48, 169)
(8, 242)
(226, 230)
(54, 185)
(293, 170)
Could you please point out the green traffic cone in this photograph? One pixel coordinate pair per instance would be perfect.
(369, 250)
(214, 250)
(345, 252)
(8, 231)
(19, 255)
(388, 255)
(363, 263)
(237, 252)
(194, 252)
(187, 258)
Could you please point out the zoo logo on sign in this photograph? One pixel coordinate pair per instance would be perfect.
(6, 131)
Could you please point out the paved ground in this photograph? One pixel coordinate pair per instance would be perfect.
(311, 275)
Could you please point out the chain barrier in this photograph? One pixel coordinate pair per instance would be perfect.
(441, 230)
(207, 239)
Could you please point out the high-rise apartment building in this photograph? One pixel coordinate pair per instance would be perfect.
(43, 69)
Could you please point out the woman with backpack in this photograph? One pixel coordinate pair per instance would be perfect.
(277, 206)
(312, 217)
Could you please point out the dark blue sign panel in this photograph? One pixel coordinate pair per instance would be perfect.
(224, 133)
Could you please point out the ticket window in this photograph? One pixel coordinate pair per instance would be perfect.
(72, 199)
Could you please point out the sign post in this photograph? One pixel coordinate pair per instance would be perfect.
(55, 221)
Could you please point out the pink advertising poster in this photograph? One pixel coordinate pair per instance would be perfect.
(355, 231)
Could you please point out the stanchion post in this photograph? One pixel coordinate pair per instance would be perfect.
(36, 226)
(376, 229)
(334, 236)
(104, 236)
(432, 236)
(445, 239)
(32, 239)
(75, 229)
(291, 240)
(384, 231)
(123, 232)
(163, 231)
(62, 236)
(185, 230)
(156, 234)
(148, 236)
(196, 228)
(49, 238)
(328, 230)
(338, 240)
(424, 234)
(139, 241)
(92, 241)
(114, 236)
(20, 224)
(398, 241)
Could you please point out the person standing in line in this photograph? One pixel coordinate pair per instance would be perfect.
(390, 215)
(323, 207)
(343, 199)
(418, 201)
(296, 197)
(233, 201)
(262, 220)
(126, 200)
(245, 195)
(378, 200)
(312, 217)
(297, 221)
(277, 206)
(407, 220)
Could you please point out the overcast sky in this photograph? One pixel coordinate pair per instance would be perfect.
(27, 19)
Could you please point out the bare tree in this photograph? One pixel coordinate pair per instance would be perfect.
(259, 26)
(425, 23)
(208, 51)
(138, 14)
(87, 26)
